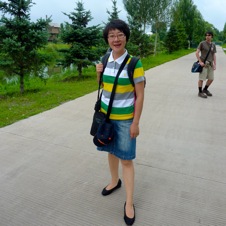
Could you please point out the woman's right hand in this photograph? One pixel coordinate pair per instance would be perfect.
(99, 68)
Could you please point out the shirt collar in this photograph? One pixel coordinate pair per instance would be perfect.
(120, 59)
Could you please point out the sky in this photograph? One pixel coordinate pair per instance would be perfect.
(212, 11)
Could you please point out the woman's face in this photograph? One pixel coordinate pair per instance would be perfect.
(117, 41)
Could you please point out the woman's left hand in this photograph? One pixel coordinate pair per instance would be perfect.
(134, 130)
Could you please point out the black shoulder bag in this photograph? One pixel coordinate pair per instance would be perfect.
(98, 116)
(102, 129)
(196, 67)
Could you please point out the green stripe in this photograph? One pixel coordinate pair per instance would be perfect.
(124, 81)
(108, 79)
(121, 111)
(139, 64)
(111, 80)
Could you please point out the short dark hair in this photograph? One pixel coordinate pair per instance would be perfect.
(116, 24)
(209, 33)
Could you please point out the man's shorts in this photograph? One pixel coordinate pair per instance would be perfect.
(207, 73)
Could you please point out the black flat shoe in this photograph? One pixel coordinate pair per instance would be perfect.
(128, 221)
(108, 192)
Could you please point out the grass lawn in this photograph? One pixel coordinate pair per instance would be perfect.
(224, 47)
(39, 97)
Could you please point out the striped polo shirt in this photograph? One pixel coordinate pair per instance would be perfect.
(123, 104)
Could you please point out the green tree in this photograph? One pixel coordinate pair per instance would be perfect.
(176, 38)
(140, 11)
(182, 41)
(83, 40)
(184, 13)
(114, 14)
(139, 44)
(20, 40)
(146, 12)
(138, 17)
(224, 33)
(199, 29)
(172, 39)
(160, 17)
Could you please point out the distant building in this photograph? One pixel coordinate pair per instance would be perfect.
(54, 31)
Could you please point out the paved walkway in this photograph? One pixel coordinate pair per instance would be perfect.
(51, 174)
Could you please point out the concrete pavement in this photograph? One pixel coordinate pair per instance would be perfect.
(51, 174)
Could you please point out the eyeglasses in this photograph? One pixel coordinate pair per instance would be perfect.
(208, 35)
(118, 36)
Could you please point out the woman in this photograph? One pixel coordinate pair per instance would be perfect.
(125, 113)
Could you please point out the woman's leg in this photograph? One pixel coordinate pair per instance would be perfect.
(113, 165)
(128, 176)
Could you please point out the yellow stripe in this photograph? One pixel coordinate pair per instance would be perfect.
(119, 89)
(117, 116)
(138, 72)
(121, 117)
(128, 61)
(108, 87)
(124, 89)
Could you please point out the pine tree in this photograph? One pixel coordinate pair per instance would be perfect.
(172, 39)
(140, 43)
(182, 37)
(114, 14)
(82, 39)
(224, 33)
(20, 40)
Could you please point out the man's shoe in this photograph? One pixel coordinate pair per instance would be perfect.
(108, 192)
(203, 95)
(207, 92)
(128, 221)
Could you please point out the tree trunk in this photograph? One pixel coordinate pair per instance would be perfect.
(80, 70)
(21, 83)
(144, 28)
(156, 42)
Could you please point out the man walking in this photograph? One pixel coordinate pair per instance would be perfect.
(209, 66)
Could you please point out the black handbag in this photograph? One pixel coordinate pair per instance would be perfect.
(196, 67)
(98, 116)
(105, 133)
(102, 129)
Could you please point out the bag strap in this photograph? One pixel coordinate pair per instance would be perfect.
(131, 68)
(98, 93)
(114, 86)
(104, 61)
(207, 53)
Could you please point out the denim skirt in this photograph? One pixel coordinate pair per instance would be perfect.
(123, 146)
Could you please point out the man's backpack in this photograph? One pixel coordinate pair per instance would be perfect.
(130, 68)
